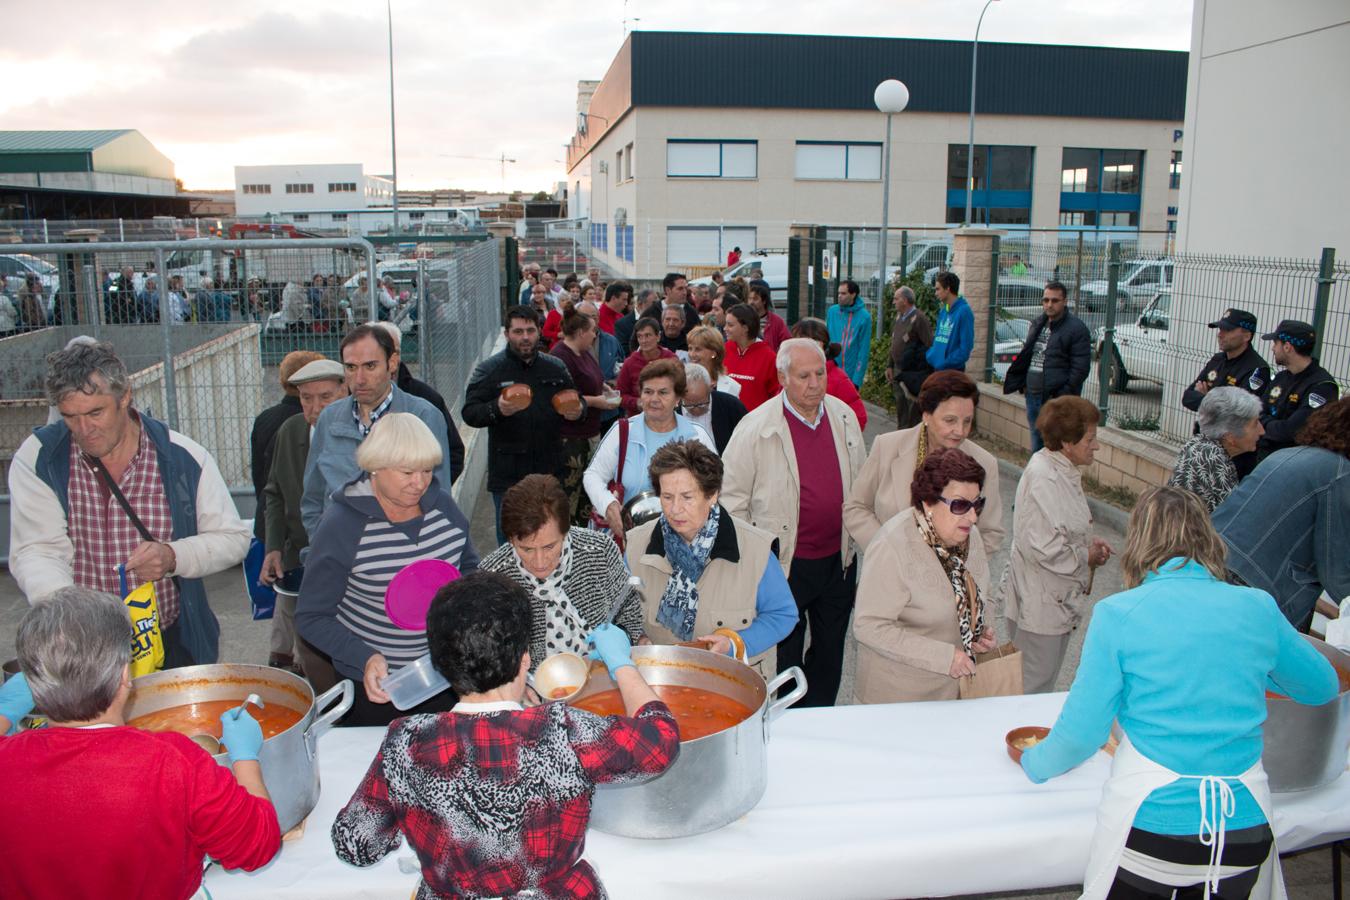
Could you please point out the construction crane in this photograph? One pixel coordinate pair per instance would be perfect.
(503, 159)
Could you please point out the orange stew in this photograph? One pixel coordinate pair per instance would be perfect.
(698, 712)
(204, 718)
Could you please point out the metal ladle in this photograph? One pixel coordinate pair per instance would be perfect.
(209, 742)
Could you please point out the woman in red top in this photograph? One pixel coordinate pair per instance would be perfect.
(749, 360)
(647, 333)
(493, 797)
(94, 808)
(837, 382)
(552, 330)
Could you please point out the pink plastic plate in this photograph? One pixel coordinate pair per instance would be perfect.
(411, 591)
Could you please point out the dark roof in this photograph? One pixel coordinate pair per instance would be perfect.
(57, 141)
(822, 72)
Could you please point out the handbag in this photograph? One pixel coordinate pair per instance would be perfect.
(615, 485)
(261, 598)
(998, 673)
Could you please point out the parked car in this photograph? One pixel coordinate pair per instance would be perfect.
(1009, 336)
(1140, 279)
(774, 267)
(1140, 351)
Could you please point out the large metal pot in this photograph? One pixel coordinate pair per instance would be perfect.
(1306, 746)
(716, 779)
(289, 760)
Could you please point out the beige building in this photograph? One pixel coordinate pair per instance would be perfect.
(693, 144)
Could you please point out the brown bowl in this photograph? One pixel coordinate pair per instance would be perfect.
(1012, 738)
(518, 394)
(567, 403)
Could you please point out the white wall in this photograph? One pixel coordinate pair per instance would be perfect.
(370, 190)
(1267, 129)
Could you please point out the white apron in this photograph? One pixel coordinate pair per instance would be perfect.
(1135, 776)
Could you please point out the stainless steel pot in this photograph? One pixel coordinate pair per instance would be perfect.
(716, 779)
(289, 760)
(641, 508)
(1306, 746)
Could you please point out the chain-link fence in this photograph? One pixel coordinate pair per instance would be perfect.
(460, 315)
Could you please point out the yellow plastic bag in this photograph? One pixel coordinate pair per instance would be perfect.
(147, 642)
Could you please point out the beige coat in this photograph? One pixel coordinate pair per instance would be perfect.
(1045, 586)
(882, 488)
(905, 620)
(728, 590)
(761, 484)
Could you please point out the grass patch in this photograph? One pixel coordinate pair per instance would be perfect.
(1130, 422)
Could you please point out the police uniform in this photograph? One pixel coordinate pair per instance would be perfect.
(1248, 371)
(1292, 398)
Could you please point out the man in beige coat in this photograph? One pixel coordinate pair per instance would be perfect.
(808, 432)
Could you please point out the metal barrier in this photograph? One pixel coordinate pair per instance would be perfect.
(460, 316)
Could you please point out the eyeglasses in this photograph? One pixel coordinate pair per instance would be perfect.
(698, 407)
(960, 506)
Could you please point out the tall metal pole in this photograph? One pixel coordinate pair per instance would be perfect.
(970, 144)
(885, 219)
(393, 143)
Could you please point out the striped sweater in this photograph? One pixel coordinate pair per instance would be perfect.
(354, 554)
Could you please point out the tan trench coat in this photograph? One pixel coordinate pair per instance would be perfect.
(1045, 587)
(882, 488)
(905, 620)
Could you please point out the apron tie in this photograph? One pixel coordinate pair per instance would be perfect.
(1217, 804)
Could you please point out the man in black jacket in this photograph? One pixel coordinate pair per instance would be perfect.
(523, 436)
(1237, 364)
(717, 411)
(1055, 359)
(1299, 389)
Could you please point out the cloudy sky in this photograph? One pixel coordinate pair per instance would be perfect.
(252, 82)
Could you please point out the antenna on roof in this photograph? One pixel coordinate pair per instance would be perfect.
(626, 19)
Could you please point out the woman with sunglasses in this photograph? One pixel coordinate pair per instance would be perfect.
(920, 617)
(1045, 587)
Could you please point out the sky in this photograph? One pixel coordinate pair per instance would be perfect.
(261, 83)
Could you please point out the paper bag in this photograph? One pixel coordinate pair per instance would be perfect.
(998, 673)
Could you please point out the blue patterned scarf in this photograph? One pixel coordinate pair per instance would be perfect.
(679, 604)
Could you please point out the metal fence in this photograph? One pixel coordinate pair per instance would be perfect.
(460, 315)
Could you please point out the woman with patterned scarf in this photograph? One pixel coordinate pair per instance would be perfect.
(920, 618)
(707, 575)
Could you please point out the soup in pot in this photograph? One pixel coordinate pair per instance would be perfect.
(699, 713)
(204, 718)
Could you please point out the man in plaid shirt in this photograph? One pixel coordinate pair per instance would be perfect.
(67, 527)
(493, 797)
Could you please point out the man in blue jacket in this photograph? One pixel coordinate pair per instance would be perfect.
(954, 337)
(850, 327)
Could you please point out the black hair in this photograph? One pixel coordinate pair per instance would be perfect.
(746, 315)
(949, 280)
(379, 335)
(1057, 286)
(618, 287)
(552, 271)
(520, 312)
(763, 292)
(478, 628)
(671, 277)
(852, 287)
(647, 322)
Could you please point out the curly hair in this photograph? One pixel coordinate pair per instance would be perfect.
(530, 503)
(1329, 428)
(691, 456)
(944, 385)
(940, 468)
(478, 630)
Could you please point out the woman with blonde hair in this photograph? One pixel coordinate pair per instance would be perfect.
(708, 348)
(1183, 661)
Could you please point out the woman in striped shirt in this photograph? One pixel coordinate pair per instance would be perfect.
(394, 514)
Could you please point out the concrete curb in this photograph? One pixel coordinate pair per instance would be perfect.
(1102, 511)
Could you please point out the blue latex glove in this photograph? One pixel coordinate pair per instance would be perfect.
(241, 734)
(611, 646)
(16, 700)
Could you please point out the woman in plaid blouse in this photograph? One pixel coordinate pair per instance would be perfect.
(494, 798)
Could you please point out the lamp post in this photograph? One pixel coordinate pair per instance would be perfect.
(393, 145)
(891, 97)
(970, 145)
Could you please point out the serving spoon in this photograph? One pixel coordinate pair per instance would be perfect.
(209, 742)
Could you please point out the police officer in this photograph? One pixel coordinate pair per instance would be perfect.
(1237, 364)
(1302, 387)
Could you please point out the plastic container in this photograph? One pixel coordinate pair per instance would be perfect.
(415, 683)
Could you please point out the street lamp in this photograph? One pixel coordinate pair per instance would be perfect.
(970, 145)
(891, 97)
(393, 146)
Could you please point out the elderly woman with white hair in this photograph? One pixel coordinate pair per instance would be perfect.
(1230, 425)
(717, 411)
(392, 515)
(93, 803)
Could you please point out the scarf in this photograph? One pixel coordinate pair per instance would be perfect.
(564, 629)
(969, 603)
(922, 453)
(679, 603)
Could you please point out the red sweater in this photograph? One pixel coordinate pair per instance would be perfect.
(552, 329)
(756, 371)
(628, 377)
(820, 519)
(838, 384)
(607, 318)
(101, 812)
(774, 331)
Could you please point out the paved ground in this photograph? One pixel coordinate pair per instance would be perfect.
(243, 640)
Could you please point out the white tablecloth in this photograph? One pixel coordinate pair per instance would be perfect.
(905, 800)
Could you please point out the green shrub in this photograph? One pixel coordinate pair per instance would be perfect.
(875, 389)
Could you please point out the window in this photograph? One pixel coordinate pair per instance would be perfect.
(342, 187)
(618, 167)
(705, 245)
(1174, 180)
(1000, 179)
(1091, 218)
(712, 159)
(300, 217)
(299, 188)
(257, 189)
(600, 235)
(339, 217)
(628, 165)
(828, 161)
(1100, 188)
(1010, 168)
(1121, 170)
(415, 216)
(623, 241)
(1080, 171)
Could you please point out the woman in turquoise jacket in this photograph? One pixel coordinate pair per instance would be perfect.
(1182, 660)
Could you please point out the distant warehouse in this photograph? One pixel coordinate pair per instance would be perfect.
(693, 144)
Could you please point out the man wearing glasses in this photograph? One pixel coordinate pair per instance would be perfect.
(717, 411)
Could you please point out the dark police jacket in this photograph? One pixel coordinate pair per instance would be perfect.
(527, 442)
(1289, 401)
(1068, 356)
(1249, 372)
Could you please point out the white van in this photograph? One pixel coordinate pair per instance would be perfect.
(774, 267)
(1140, 279)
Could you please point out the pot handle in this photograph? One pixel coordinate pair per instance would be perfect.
(776, 707)
(325, 720)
